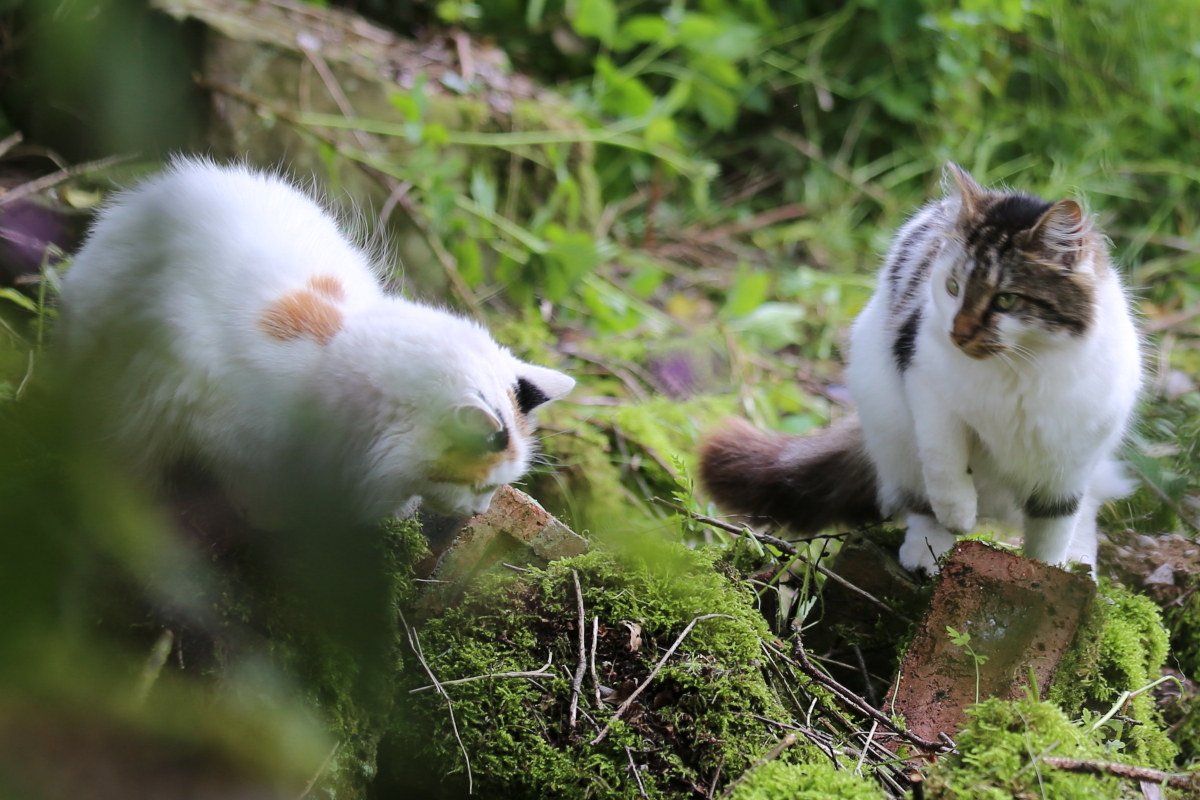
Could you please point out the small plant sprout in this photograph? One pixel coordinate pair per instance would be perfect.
(964, 640)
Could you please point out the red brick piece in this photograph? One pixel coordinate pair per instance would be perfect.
(1019, 613)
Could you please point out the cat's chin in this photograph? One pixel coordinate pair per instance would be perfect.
(454, 501)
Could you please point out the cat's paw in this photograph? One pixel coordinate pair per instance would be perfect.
(924, 543)
(955, 513)
(917, 556)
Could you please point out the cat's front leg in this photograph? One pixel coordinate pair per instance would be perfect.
(943, 442)
(1051, 520)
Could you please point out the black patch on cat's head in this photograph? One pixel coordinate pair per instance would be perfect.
(529, 396)
(905, 346)
(999, 221)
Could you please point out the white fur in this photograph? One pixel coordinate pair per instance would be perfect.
(161, 335)
(1047, 418)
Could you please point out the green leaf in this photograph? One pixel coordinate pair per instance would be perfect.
(623, 95)
(661, 131)
(20, 299)
(483, 190)
(533, 12)
(643, 29)
(717, 106)
(748, 292)
(597, 19)
(775, 324)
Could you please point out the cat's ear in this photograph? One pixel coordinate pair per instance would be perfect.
(960, 184)
(537, 386)
(1059, 233)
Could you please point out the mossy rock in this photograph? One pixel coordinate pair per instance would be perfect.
(1120, 647)
(703, 711)
(776, 781)
(997, 751)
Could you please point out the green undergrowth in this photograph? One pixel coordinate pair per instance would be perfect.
(776, 780)
(1118, 653)
(698, 714)
(1000, 751)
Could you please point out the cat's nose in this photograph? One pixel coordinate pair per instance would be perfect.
(964, 329)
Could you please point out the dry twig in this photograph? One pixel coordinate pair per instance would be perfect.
(55, 178)
(540, 672)
(582, 633)
(308, 787)
(863, 707)
(1128, 771)
(636, 776)
(641, 687)
(415, 643)
(786, 548)
(784, 744)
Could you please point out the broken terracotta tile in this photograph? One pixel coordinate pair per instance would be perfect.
(1019, 613)
(515, 530)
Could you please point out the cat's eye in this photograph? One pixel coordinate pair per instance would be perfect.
(952, 286)
(1006, 301)
(497, 441)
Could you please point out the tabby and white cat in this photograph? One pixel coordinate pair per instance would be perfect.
(219, 318)
(995, 368)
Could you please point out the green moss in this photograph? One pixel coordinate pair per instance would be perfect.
(699, 712)
(777, 780)
(997, 751)
(1120, 647)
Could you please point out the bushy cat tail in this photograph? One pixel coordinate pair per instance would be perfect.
(807, 483)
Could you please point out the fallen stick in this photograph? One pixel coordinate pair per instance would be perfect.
(1174, 780)
(662, 661)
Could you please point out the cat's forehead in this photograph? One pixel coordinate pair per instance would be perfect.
(992, 229)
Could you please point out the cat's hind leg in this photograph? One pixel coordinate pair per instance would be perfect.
(924, 543)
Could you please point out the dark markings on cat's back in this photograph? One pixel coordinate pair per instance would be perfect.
(905, 346)
(529, 396)
(1051, 507)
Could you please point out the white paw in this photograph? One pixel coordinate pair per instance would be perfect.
(924, 543)
(916, 555)
(955, 513)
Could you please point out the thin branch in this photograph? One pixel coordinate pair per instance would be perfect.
(308, 787)
(784, 744)
(540, 672)
(333, 87)
(712, 787)
(1174, 780)
(581, 629)
(863, 707)
(788, 549)
(10, 141)
(670, 652)
(154, 663)
(415, 643)
(636, 776)
(595, 680)
(55, 178)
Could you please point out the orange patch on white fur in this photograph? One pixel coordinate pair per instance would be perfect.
(463, 469)
(302, 313)
(327, 285)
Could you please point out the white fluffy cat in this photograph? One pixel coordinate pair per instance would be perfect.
(218, 317)
(996, 368)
